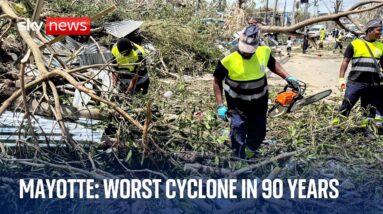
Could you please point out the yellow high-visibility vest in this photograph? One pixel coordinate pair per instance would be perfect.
(363, 64)
(241, 69)
(132, 57)
(246, 78)
(360, 49)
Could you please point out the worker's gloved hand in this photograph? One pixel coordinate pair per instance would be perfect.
(221, 111)
(342, 84)
(293, 82)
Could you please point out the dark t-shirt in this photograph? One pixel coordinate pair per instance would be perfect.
(357, 76)
(254, 108)
(349, 51)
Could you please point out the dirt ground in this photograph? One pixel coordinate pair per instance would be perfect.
(319, 69)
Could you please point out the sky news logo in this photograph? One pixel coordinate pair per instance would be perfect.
(67, 26)
(60, 26)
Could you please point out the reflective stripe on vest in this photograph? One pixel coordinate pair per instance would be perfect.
(246, 85)
(246, 78)
(362, 60)
(363, 65)
(234, 94)
(134, 56)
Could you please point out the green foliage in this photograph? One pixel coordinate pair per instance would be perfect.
(182, 39)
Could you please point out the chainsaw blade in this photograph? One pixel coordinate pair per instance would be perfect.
(309, 100)
(277, 110)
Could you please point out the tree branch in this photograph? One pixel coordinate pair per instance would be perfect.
(332, 17)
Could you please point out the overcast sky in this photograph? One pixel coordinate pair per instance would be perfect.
(322, 8)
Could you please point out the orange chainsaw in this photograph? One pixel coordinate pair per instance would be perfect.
(292, 99)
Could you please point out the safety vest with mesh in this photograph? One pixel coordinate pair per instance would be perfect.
(134, 56)
(363, 66)
(246, 78)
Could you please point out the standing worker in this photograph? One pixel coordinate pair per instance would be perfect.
(131, 77)
(289, 46)
(338, 42)
(336, 33)
(322, 36)
(305, 43)
(244, 75)
(364, 78)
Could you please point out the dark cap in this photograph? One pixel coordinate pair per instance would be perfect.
(124, 46)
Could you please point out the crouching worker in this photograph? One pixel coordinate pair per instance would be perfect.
(242, 75)
(130, 78)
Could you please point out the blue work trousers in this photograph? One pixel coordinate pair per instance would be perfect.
(369, 97)
(247, 131)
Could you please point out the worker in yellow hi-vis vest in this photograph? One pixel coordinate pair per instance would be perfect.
(366, 57)
(322, 36)
(242, 76)
(133, 75)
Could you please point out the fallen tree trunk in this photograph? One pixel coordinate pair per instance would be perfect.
(293, 29)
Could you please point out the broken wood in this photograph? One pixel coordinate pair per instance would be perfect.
(24, 96)
(199, 168)
(146, 127)
(263, 163)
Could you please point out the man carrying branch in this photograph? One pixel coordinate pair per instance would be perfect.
(242, 75)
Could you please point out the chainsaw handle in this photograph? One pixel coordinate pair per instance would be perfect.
(302, 87)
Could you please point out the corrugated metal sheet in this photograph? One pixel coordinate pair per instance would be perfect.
(61, 48)
(91, 55)
(83, 130)
(95, 58)
(64, 49)
(122, 28)
(72, 44)
(90, 49)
